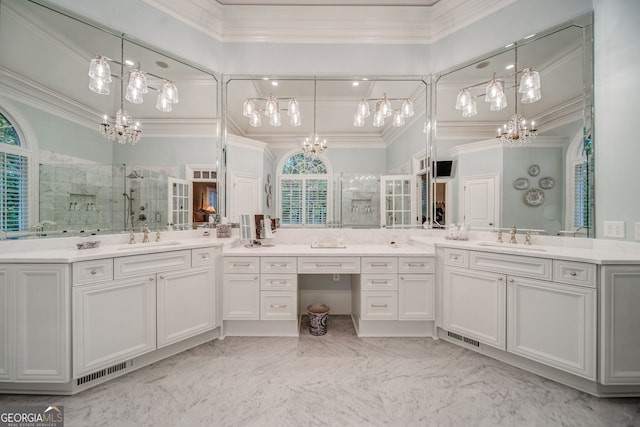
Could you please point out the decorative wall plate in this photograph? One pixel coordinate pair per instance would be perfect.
(521, 184)
(268, 200)
(268, 178)
(534, 170)
(534, 197)
(547, 182)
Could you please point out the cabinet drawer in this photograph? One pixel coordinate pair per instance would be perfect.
(379, 305)
(574, 273)
(278, 305)
(537, 268)
(322, 265)
(203, 256)
(386, 282)
(279, 281)
(93, 271)
(135, 265)
(379, 264)
(456, 257)
(278, 264)
(241, 264)
(416, 265)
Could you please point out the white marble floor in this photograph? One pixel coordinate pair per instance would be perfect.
(334, 380)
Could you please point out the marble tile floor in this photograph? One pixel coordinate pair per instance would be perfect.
(334, 380)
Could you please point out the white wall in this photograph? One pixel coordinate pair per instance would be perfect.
(617, 72)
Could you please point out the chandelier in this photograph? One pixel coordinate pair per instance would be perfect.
(383, 109)
(517, 130)
(272, 110)
(122, 127)
(314, 145)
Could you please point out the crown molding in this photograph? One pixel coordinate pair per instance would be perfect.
(494, 143)
(411, 22)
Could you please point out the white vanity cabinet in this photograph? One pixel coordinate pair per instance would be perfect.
(619, 325)
(36, 323)
(416, 288)
(534, 307)
(241, 288)
(278, 288)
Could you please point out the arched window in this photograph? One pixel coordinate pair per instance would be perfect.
(14, 179)
(304, 191)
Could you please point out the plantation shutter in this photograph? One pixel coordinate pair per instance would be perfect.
(14, 192)
(316, 201)
(581, 217)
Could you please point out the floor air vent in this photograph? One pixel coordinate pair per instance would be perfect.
(463, 339)
(101, 373)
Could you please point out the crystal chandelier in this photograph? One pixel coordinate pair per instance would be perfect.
(272, 110)
(383, 110)
(314, 145)
(517, 131)
(122, 128)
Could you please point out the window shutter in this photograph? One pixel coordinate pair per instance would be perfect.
(291, 201)
(316, 201)
(14, 192)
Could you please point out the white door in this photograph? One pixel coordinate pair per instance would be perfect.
(245, 195)
(398, 204)
(180, 206)
(480, 202)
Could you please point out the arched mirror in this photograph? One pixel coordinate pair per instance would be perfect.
(86, 175)
(538, 177)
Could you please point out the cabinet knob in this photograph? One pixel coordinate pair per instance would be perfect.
(204, 256)
(94, 272)
(455, 257)
(573, 273)
(511, 280)
(151, 279)
(499, 279)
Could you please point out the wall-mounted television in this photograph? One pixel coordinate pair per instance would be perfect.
(442, 168)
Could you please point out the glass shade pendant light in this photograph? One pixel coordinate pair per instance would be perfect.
(99, 86)
(293, 108)
(275, 120)
(530, 80)
(378, 118)
(499, 102)
(163, 104)
(385, 106)
(271, 106)
(358, 120)
(494, 88)
(138, 80)
(463, 99)
(170, 92)
(248, 108)
(407, 108)
(294, 120)
(471, 109)
(255, 120)
(398, 119)
(363, 109)
(531, 96)
(134, 96)
(99, 75)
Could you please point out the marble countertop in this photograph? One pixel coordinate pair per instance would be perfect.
(349, 250)
(606, 254)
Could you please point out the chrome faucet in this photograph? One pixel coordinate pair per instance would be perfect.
(512, 234)
(145, 232)
(527, 238)
(132, 237)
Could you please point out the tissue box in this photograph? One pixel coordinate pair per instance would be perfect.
(223, 230)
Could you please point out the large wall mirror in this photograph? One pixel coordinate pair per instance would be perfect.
(68, 178)
(372, 172)
(544, 184)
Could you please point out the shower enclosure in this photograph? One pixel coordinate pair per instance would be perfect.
(357, 200)
(93, 198)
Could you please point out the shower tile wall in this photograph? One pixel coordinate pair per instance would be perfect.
(151, 202)
(360, 194)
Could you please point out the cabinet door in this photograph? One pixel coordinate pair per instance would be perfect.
(42, 323)
(619, 324)
(379, 305)
(113, 322)
(278, 305)
(416, 297)
(553, 323)
(6, 323)
(241, 297)
(186, 304)
(474, 305)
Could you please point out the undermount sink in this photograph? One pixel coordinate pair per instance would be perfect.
(142, 246)
(512, 246)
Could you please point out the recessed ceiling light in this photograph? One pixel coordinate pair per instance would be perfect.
(510, 66)
(529, 36)
(481, 65)
(274, 83)
(129, 62)
(355, 83)
(162, 64)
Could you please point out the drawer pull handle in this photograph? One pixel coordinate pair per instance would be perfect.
(278, 282)
(278, 265)
(94, 272)
(455, 258)
(379, 264)
(162, 276)
(278, 305)
(204, 256)
(379, 305)
(573, 273)
(380, 282)
(151, 279)
(418, 265)
(241, 265)
(329, 265)
(242, 280)
(411, 280)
